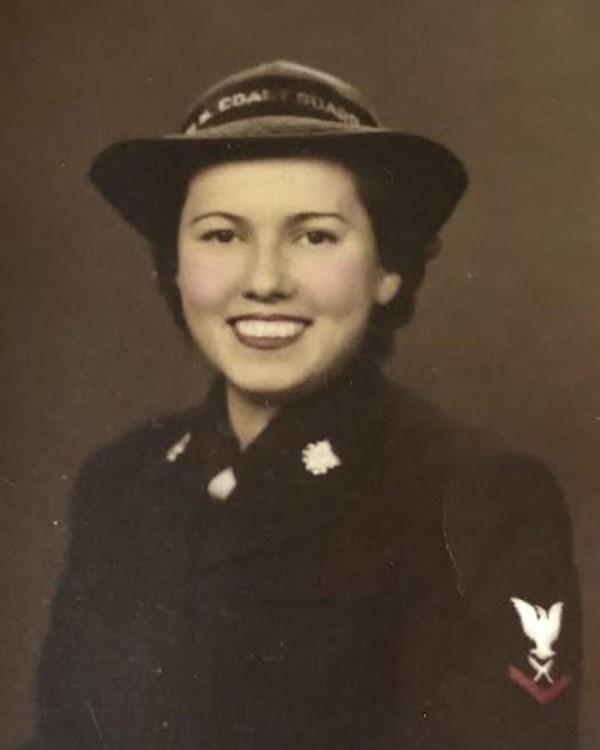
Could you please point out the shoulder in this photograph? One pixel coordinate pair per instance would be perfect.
(118, 481)
(140, 449)
(433, 440)
(464, 455)
(495, 499)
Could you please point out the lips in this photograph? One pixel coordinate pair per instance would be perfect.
(268, 331)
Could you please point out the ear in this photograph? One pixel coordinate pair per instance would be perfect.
(388, 285)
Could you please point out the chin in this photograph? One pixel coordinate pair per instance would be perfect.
(274, 383)
(269, 385)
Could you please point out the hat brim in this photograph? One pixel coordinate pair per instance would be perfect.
(145, 180)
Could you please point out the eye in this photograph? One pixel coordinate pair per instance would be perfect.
(220, 236)
(319, 237)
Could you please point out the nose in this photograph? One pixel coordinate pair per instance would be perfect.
(267, 277)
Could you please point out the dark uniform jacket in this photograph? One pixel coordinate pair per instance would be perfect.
(379, 578)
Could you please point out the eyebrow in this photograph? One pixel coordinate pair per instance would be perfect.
(295, 219)
(306, 216)
(220, 214)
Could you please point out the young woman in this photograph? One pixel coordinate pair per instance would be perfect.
(314, 557)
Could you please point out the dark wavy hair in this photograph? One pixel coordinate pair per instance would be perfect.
(401, 246)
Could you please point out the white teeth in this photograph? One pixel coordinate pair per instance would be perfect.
(269, 329)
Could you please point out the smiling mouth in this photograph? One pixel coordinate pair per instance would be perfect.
(268, 332)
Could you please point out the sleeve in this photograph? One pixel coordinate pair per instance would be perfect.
(66, 717)
(517, 667)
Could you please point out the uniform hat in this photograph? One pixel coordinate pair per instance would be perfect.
(278, 108)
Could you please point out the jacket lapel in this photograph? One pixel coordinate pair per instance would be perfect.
(312, 463)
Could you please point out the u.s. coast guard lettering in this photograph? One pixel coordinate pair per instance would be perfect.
(296, 102)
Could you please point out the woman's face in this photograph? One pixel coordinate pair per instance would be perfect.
(278, 271)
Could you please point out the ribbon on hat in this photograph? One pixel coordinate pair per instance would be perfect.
(287, 96)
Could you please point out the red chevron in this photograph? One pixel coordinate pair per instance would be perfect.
(541, 694)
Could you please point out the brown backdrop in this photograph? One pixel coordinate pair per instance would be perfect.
(508, 330)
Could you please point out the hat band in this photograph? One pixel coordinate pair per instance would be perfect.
(283, 97)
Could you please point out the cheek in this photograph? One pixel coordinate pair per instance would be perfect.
(206, 281)
(338, 284)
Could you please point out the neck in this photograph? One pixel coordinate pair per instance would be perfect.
(248, 416)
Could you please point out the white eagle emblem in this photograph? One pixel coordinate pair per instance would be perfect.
(319, 458)
(543, 628)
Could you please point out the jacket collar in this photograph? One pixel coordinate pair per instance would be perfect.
(277, 496)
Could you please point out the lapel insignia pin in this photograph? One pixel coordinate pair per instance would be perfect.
(319, 458)
(178, 448)
(543, 628)
(222, 484)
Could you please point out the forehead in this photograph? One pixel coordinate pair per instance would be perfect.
(275, 180)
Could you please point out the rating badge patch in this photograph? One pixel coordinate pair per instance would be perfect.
(542, 627)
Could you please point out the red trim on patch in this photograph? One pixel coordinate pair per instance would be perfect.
(541, 694)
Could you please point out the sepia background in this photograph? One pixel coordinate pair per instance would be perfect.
(507, 334)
